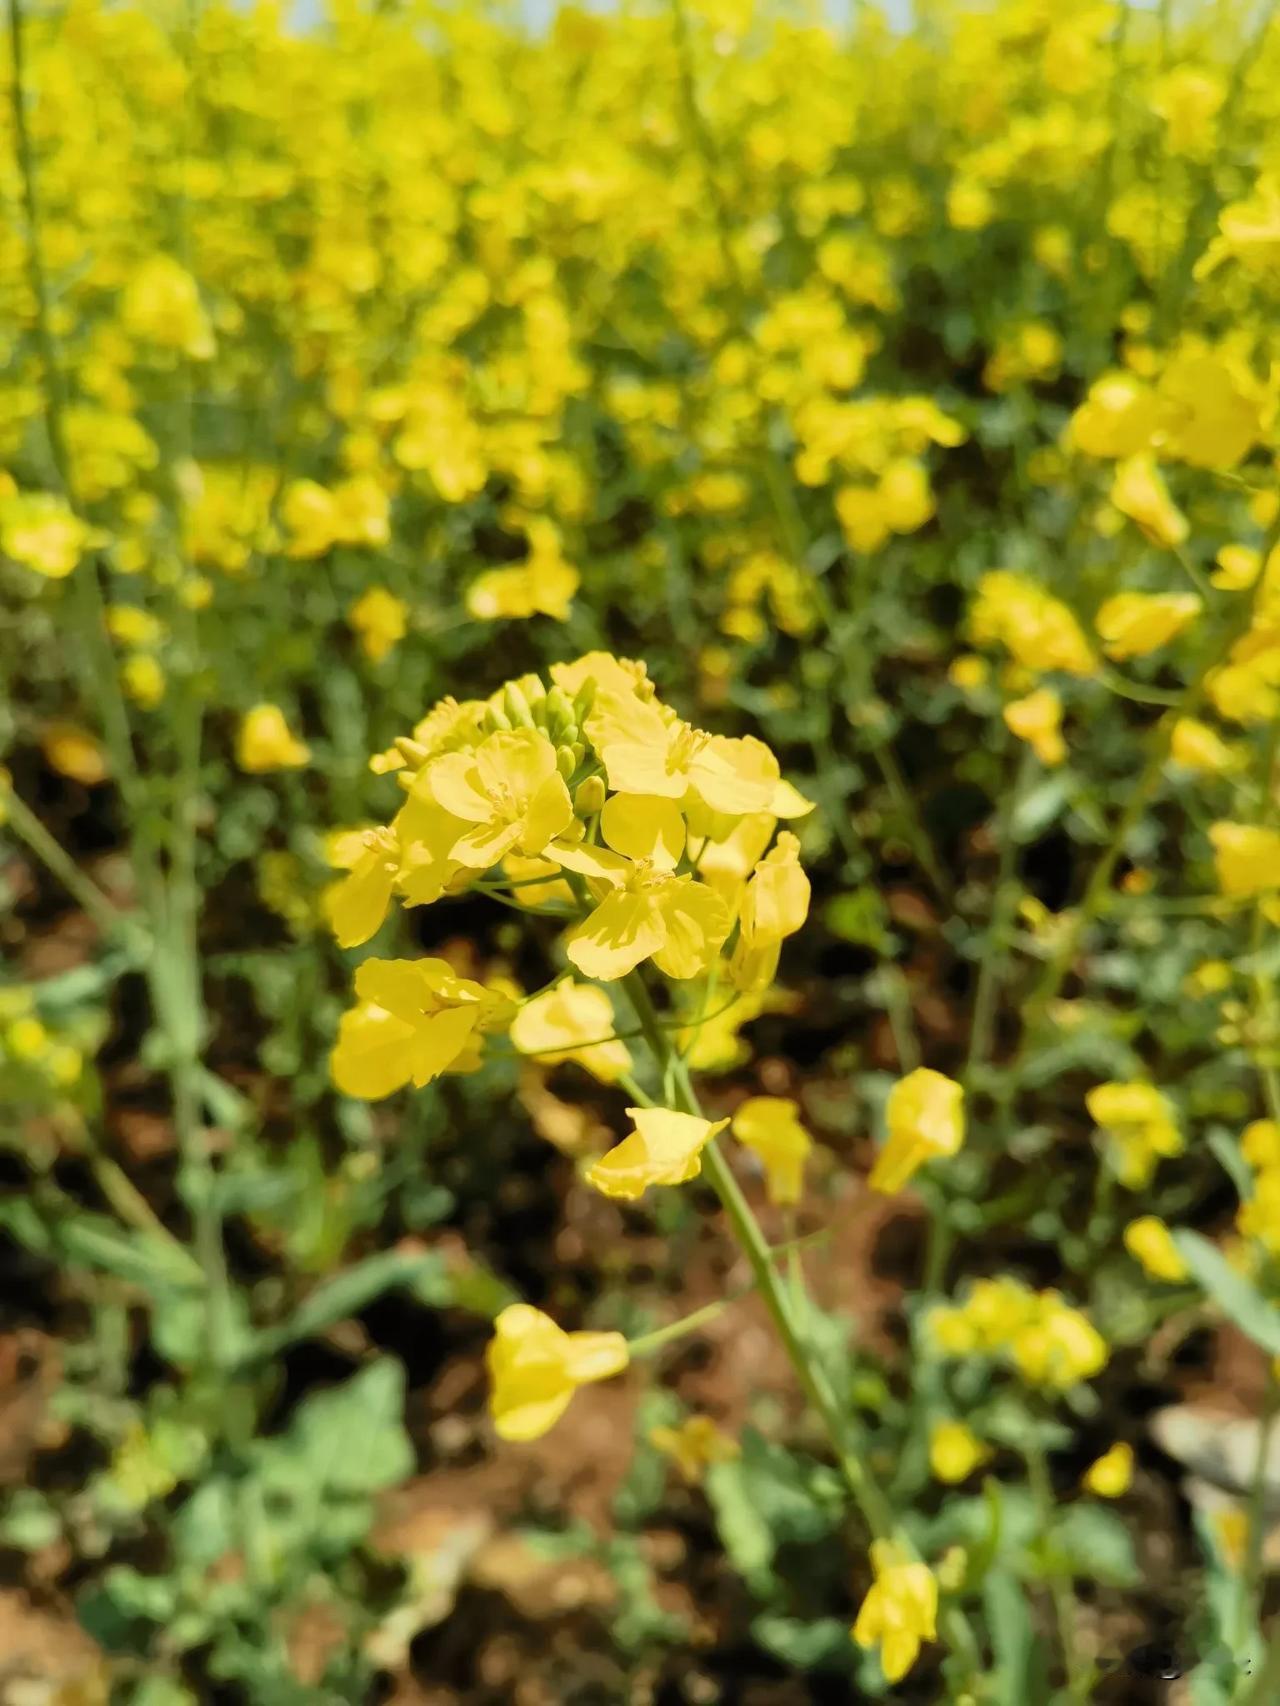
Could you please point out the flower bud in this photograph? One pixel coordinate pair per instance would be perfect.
(560, 722)
(589, 797)
(584, 699)
(566, 761)
(575, 832)
(516, 706)
(495, 719)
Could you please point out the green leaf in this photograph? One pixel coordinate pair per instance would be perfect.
(1039, 806)
(351, 1291)
(822, 1643)
(1237, 1297)
(1096, 1545)
(351, 1438)
(767, 1498)
(1224, 1145)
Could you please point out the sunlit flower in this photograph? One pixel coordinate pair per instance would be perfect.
(39, 531)
(1149, 1241)
(535, 1368)
(955, 1451)
(1139, 492)
(1246, 857)
(1037, 719)
(1111, 1475)
(573, 1021)
(413, 1020)
(900, 1610)
(265, 742)
(75, 753)
(665, 1148)
(379, 618)
(1139, 1121)
(1131, 624)
(770, 1127)
(925, 1120)
(510, 789)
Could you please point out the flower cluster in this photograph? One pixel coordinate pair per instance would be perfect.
(587, 798)
(1050, 1343)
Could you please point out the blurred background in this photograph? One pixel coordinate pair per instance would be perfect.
(355, 357)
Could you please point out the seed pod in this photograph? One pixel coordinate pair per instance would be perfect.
(590, 796)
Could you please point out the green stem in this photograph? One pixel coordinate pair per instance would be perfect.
(861, 1482)
(1060, 1587)
(50, 851)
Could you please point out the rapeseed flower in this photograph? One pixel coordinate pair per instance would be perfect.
(925, 1119)
(900, 1610)
(665, 1148)
(535, 1368)
(265, 742)
(770, 1127)
(413, 1020)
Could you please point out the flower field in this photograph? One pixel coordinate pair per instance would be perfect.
(640, 854)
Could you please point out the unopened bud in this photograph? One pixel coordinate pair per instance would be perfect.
(575, 831)
(584, 699)
(496, 719)
(566, 761)
(412, 751)
(590, 796)
(516, 706)
(558, 710)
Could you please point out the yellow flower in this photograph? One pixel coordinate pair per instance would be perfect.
(925, 1117)
(1259, 1217)
(694, 1446)
(1117, 418)
(1246, 857)
(1059, 1347)
(955, 1451)
(535, 1368)
(354, 512)
(265, 742)
(645, 911)
(1197, 747)
(1139, 492)
(1111, 1475)
(644, 753)
(1211, 409)
(1037, 719)
(74, 752)
(1149, 1241)
(1132, 624)
(968, 672)
(1035, 627)
(570, 1022)
(509, 788)
(40, 532)
(1139, 1120)
(1238, 568)
(413, 1020)
(770, 1127)
(1260, 1143)
(900, 1610)
(143, 680)
(378, 617)
(162, 307)
(131, 625)
(1187, 99)
(664, 1149)
(774, 905)
(535, 588)
(356, 906)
